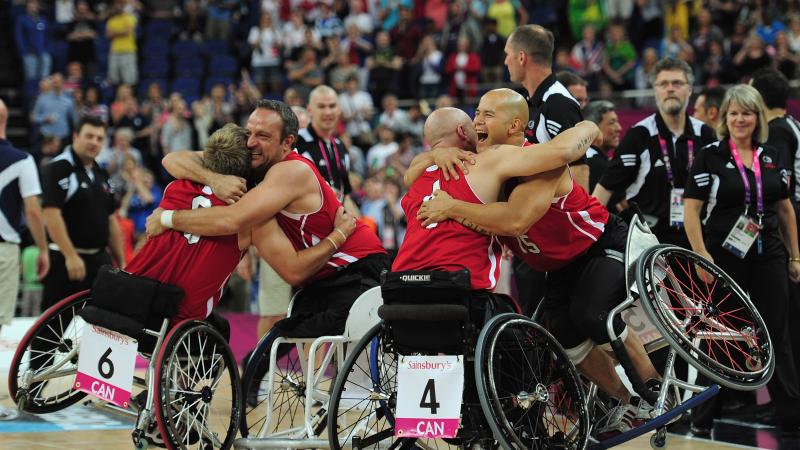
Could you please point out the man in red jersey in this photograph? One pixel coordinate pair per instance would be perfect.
(202, 265)
(552, 224)
(452, 246)
(295, 199)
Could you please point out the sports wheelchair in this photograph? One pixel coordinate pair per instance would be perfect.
(191, 395)
(427, 314)
(289, 381)
(708, 321)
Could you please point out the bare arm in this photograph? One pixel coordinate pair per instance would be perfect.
(297, 266)
(35, 219)
(451, 160)
(188, 165)
(693, 227)
(417, 167)
(581, 175)
(788, 224)
(526, 205)
(115, 241)
(602, 194)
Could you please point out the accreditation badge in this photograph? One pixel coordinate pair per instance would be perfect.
(742, 236)
(676, 207)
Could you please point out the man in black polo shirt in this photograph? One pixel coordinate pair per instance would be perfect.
(651, 163)
(78, 209)
(317, 143)
(552, 109)
(603, 113)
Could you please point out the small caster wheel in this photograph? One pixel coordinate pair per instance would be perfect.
(658, 441)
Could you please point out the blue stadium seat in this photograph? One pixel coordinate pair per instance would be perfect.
(155, 48)
(186, 48)
(155, 68)
(214, 80)
(189, 67)
(59, 52)
(223, 65)
(159, 28)
(188, 88)
(216, 47)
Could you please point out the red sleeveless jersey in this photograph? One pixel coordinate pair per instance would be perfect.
(447, 246)
(572, 224)
(201, 265)
(306, 230)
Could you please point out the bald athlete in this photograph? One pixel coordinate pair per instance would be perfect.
(552, 224)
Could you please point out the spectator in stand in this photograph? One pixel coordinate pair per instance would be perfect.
(120, 105)
(303, 117)
(619, 9)
(51, 146)
(506, 13)
(192, 22)
(54, 111)
(265, 61)
(603, 113)
(707, 105)
(462, 71)
(576, 86)
(355, 45)
(416, 122)
(328, 24)
(676, 16)
(717, 66)
(357, 112)
(359, 18)
(443, 101)
(491, 53)
(769, 26)
(385, 147)
(31, 33)
(211, 113)
(382, 206)
(159, 9)
(81, 35)
(92, 105)
(141, 198)
(583, 13)
(405, 38)
(429, 62)
(342, 71)
(400, 160)
(704, 33)
(121, 30)
(292, 98)
(646, 24)
(305, 74)
(392, 116)
(388, 13)
(586, 57)
(219, 18)
(620, 57)
(793, 33)
(725, 14)
(112, 159)
(176, 134)
(459, 23)
(384, 67)
(785, 60)
(155, 104)
(294, 34)
(738, 40)
(752, 56)
(675, 46)
(74, 79)
(64, 13)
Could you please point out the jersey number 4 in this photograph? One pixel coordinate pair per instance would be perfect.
(197, 202)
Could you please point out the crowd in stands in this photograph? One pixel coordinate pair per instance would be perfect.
(166, 73)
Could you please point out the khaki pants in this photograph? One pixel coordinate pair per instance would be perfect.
(9, 281)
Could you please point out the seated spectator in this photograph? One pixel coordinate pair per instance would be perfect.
(462, 71)
(122, 96)
(429, 61)
(384, 67)
(620, 57)
(265, 60)
(459, 24)
(211, 113)
(385, 147)
(357, 112)
(752, 56)
(31, 32)
(305, 74)
(81, 35)
(392, 116)
(586, 57)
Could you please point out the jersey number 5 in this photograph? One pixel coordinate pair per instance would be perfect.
(197, 202)
(526, 246)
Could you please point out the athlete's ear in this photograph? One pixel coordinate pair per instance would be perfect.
(289, 142)
(461, 133)
(515, 127)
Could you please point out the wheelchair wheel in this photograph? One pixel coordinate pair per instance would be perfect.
(287, 417)
(198, 398)
(529, 390)
(51, 345)
(711, 323)
(364, 398)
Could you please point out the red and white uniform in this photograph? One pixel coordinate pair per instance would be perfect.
(306, 230)
(447, 246)
(201, 265)
(569, 227)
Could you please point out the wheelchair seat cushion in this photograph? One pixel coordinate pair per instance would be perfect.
(121, 301)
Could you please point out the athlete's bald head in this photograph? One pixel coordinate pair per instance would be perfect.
(450, 127)
(500, 118)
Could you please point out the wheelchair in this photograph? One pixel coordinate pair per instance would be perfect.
(709, 322)
(190, 395)
(293, 386)
(520, 373)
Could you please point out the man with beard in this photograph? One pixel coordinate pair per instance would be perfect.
(652, 162)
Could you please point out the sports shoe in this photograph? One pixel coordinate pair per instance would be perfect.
(646, 411)
(619, 419)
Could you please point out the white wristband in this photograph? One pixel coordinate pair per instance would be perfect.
(166, 218)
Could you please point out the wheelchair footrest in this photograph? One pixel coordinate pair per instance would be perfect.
(659, 421)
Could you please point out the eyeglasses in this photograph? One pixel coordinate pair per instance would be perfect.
(677, 84)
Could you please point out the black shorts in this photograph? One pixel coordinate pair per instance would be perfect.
(321, 308)
(580, 295)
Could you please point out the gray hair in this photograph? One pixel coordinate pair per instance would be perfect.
(673, 64)
(595, 110)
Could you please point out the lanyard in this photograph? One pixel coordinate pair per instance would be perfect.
(665, 155)
(324, 150)
(757, 172)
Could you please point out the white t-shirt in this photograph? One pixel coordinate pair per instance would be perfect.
(266, 54)
(431, 68)
(353, 108)
(377, 155)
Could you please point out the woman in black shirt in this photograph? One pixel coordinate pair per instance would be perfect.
(742, 186)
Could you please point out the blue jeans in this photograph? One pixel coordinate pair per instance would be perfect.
(37, 66)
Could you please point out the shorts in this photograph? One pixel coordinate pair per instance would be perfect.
(9, 281)
(274, 294)
(580, 295)
(321, 308)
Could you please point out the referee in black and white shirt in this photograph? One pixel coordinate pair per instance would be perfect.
(552, 109)
(19, 191)
(78, 208)
(653, 159)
